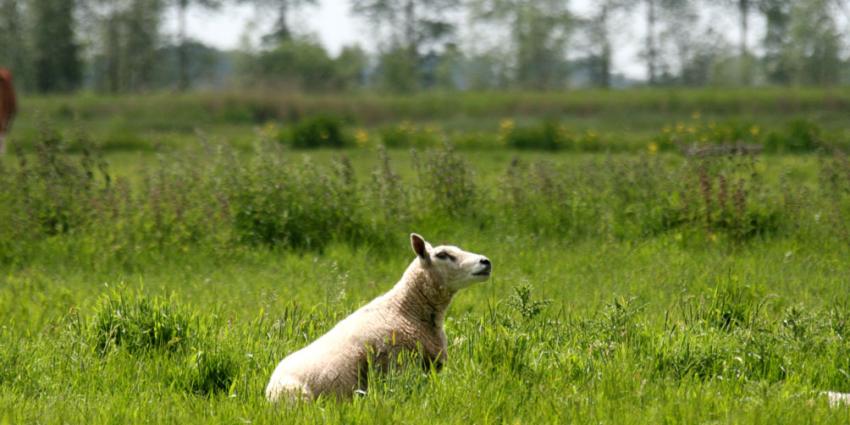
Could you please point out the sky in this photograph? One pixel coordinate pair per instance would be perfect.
(331, 21)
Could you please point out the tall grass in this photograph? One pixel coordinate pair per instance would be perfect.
(216, 199)
(627, 288)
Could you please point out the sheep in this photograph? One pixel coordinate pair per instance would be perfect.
(408, 318)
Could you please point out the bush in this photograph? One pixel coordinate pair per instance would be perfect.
(548, 135)
(800, 135)
(297, 205)
(320, 131)
(407, 135)
(446, 184)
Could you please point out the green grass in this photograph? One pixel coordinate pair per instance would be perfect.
(163, 287)
(620, 341)
(608, 120)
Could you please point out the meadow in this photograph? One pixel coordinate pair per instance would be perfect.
(158, 259)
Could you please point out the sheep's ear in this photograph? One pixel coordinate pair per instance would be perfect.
(420, 247)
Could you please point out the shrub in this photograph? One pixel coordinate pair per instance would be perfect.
(696, 132)
(548, 135)
(321, 131)
(446, 182)
(800, 135)
(407, 135)
(297, 205)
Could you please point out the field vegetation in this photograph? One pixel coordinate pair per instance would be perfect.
(588, 120)
(156, 270)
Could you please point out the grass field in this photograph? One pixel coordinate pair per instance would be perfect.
(146, 285)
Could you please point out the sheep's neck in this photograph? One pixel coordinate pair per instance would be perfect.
(424, 297)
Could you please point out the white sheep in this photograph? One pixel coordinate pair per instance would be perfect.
(407, 318)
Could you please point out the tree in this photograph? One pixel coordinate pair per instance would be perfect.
(777, 14)
(686, 53)
(282, 31)
(744, 8)
(300, 61)
(599, 37)
(127, 43)
(540, 30)
(57, 65)
(14, 53)
(802, 43)
(350, 67)
(413, 29)
(815, 46)
(182, 52)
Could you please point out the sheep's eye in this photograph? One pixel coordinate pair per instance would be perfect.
(443, 255)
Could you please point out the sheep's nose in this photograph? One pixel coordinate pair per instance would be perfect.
(485, 261)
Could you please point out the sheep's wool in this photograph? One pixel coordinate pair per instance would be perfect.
(407, 318)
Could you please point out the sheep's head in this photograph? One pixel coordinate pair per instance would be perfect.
(456, 267)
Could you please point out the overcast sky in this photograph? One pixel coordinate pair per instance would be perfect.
(331, 20)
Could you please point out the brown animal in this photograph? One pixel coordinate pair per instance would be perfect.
(8, 106)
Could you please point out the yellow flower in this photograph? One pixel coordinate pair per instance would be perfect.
(755, 130)
(712, 237)
(696, 115)
(506, 125)
(652, 148)
(269, 130)
(361, 137)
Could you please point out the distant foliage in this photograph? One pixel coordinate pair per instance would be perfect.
(215, 199)
(408, 135)
(546, 136)
(446, 184)
(800, 135)
(321, 131)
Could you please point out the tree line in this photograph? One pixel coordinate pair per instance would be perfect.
(122, 46)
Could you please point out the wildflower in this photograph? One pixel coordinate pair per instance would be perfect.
(506, 125)
(361, 137)
(652, 148)
(696, 115)
(269, 130)
(755, 130)
(712, 237)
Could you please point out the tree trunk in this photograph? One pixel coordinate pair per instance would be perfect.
(182, 52)
(283, 33)
(605, 60)
(744, 16)
(651, 51)
(412, 39)
(743, 62)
